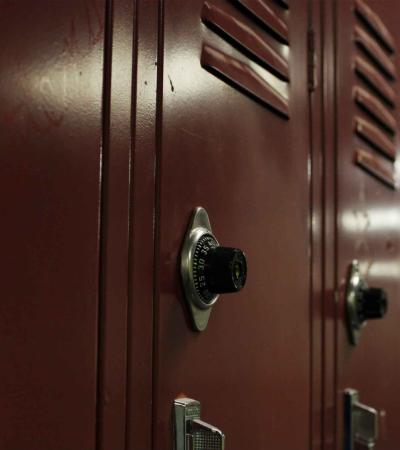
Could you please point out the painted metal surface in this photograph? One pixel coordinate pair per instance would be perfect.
(244, 78)
(258, 366)
(375, 137)
(141, 288)
(370, 75)
(115, 232)
(51, 62)
(375, 166)
(221, 17)
(375, 22)
(266, 14)
(375, 108)
(368, 224)
(317, 282)
(374, 51)
(221, 149)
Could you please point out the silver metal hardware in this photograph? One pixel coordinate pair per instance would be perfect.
(199, 226)
(190, 432)
(354, 285)
(361, 423)
(208, 269)
(362, 303)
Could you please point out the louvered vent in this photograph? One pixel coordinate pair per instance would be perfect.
(374, 95)
(253, 55)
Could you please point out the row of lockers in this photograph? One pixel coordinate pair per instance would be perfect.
(124, 308)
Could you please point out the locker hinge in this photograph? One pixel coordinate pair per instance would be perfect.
(311, 63)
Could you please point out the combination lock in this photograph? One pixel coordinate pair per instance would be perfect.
(363, 303)
(207, 269)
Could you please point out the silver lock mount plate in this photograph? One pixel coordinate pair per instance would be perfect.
(199, 229)
(355, 284)
(363, 303)
(190, 432)
(208, 269)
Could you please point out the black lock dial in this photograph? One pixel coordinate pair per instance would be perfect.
(226, 270)
(372, 303)
(363, 303)
(217, 270)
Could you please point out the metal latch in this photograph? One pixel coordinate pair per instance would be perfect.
(191, 433)
(361, 423)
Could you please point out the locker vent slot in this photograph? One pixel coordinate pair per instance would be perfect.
(248, 39)
(375, 96)
(376, 167)
(283, 3)
(375, 137)
(373, 22)
(374, 81)
(375, 109)
(268, 17)
(374, 52)
(241, 76)
(252, 55)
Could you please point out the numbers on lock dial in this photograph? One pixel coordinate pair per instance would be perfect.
(205, 244)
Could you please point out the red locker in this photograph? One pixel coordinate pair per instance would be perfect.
(120, 118)
(367, 215)
(51, 63)
(232, 135)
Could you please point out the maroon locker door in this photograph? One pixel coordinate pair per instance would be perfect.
(51, 61)
(233, 137)
(368, 206)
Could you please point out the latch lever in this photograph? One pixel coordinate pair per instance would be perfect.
(361, 423)
(191, 433)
